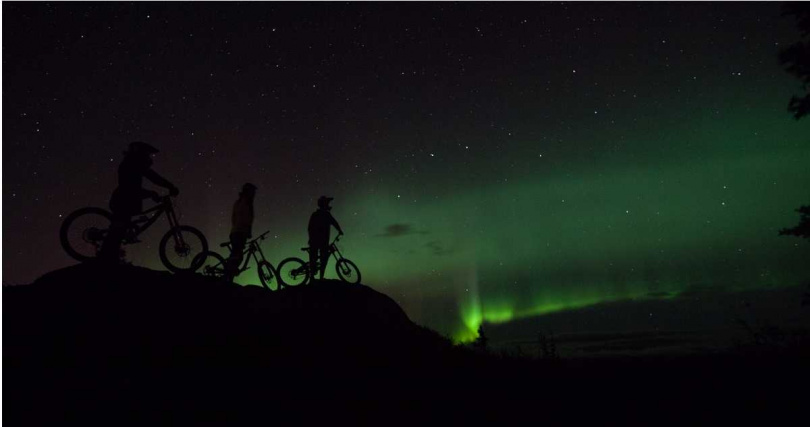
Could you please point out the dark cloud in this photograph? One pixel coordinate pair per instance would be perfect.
(698, 290)
(397, 230)
(437, 248)
(643, 342)
(628, 343)
(662, 294)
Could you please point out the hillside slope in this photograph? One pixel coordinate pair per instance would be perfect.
(130, 340)
(131, 345)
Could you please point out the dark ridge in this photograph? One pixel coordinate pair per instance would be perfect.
(121, 310)
(128, 345)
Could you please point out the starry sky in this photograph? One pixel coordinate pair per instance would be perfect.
(490, 162)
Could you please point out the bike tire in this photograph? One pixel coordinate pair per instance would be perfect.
(180, 258)
(347, 271)
(268, 276)
(293, 271)
(210, 264)
(82, 242)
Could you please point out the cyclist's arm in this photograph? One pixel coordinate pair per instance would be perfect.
(158, 180)
(146, 194)
(335, 223)
(311, 224)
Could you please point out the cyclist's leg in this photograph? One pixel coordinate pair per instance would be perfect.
(233, 262)
(122, 207)
(324, 258)
(313, 255)
(111, 248)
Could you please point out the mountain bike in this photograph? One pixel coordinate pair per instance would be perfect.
(83, 232)
(214, 265)
(346, 270)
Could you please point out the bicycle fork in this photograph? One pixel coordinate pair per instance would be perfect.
(180, 245)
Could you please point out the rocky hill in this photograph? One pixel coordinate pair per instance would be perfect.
(89, 340)
(128, 345)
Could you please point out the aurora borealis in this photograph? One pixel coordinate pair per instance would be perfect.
(489, 161)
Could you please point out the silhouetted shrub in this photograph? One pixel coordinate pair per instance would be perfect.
(547, 346)
(765, 337)
(801, 230)
(796, 58)
(481, 343)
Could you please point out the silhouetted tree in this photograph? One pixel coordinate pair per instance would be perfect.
(552, 348)
(796, 57)
(801, 230)
(481, 343)
(548, 346)
(543, 344)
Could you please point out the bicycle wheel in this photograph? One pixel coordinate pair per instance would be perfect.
(293, 272)
(347, 271)
(210, 264)
(268, 276)
(83, 232)
(179, 247)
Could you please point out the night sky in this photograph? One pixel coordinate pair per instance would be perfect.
(489, 161)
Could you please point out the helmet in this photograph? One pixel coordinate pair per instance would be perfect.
(141, 147)
(323, 201)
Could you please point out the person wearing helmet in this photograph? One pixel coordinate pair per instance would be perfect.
(241, 228)
(127, 198)
(320, 223)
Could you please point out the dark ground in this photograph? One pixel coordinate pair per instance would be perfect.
(131, 345)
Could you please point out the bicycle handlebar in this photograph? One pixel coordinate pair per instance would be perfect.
(260, 237)
(162, 198)
(333, 242)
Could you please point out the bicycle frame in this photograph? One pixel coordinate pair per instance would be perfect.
(257, 249)
(253, 248)
(333, 251)
(344, 267)
(145, 220)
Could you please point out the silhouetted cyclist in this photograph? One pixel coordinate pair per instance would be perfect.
(127, 198)
(319, 229)
(241, 228)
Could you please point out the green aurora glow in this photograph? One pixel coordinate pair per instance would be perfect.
(489, 161)
(573, 238)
